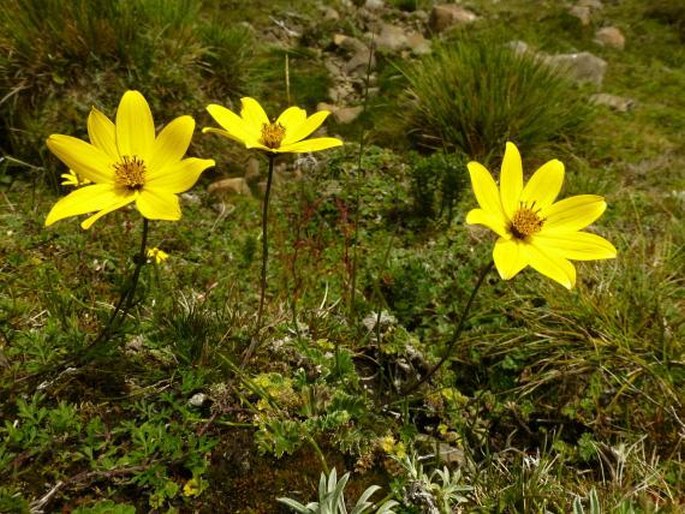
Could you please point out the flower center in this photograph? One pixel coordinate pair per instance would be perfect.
(130, 173)
(272, 134)
(525, 222)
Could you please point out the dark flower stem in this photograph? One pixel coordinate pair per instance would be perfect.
(127, 295)
(457, 332)
(265, 240)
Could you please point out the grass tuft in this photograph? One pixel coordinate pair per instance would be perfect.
(473, 96)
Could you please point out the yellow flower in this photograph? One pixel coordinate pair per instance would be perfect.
(128, 163)
(157, 255)
(72, 179)
(285, 135)
(192, 487)
(533, 229)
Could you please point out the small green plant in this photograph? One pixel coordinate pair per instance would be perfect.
(593, 501)
(332, 499)
(472, 96)
(437, 182)
(439, 491)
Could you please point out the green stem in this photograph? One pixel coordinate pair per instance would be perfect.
(355, 248)
(457, 332)
(265, 241)
(126, 299)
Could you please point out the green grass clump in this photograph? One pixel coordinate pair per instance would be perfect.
(473, 96)
(59, 59)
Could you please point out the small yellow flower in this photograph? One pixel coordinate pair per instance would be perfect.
(72, 179)
(193, 487)
(533, 229)
(127, 162)
(285, 135)
(157, 255)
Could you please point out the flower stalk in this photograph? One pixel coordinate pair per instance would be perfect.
(457, 332)
(265, 240)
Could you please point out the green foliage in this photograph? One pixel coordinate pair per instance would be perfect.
(437, 182)
(472, 96)
(63, 58)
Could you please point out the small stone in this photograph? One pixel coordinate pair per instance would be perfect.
(331, 14)
(594, 5)
(418, 44)
(519, 47)
(345, 115)
(348, 43)
(385, 320)
(617, 103)
(191, 198)
(445, 16)
(252, 173)
(374, 5)
(611, 37)
(360, 62)
(449, 454)
(392, 38)
(581, 67)
(582, 13)
(198, 400)
(237, 185)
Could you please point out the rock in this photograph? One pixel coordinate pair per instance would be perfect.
(252, 173)
(444, 16)
(191, 198)
(581, 67)
(360, 62)
(237, 185)
(198, 400)
(374, 5)
(593, 5)
(617, 103)
(392, 38)
(331, 14)
(582, 13)
(519, 47)
(418, 44)
(345, 115)
(611, 37)
(385, 319)
(348, 43)
(449, 454)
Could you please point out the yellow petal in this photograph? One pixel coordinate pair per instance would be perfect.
(511, 180)
(544, 186)
(572, 213)
(494, 223)
(510, 256)
(171, 144)
(291, 119)
(158, 205)
(310, 145)
(253, 114)
(552, 265)
(233, 125)
(85, 159)
(87, 223)
(135, 127)
(247, 142)
(102, 133)
(297, 132)
(579, 246)
(486, 192)
(83, 200)
(179, 176)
